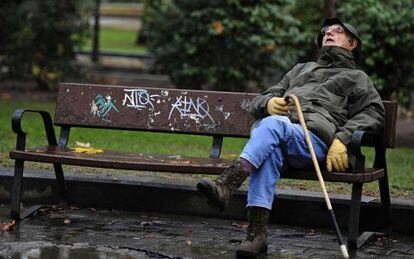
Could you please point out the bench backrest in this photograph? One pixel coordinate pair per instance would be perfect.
(167, 110)
(154, 109)
(390, 122)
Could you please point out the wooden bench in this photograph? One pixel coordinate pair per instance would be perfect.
(216, 114)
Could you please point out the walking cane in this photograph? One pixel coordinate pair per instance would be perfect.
(318, 172)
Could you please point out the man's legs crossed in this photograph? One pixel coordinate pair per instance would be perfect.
(273, 138)
(293, 150)
(265, 138)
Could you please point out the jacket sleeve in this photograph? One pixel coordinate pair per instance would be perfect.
(366, 111)
(258, 105)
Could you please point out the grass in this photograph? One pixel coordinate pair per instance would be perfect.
(400, 160)
(119, 40)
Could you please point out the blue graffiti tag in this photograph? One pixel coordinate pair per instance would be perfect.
(102, 105)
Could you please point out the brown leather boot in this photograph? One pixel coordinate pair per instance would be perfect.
(256, 240)
(219, 191)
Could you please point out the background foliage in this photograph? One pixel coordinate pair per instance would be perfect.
(223, 45)
(38, 37)
(387, 33)
(230, 43)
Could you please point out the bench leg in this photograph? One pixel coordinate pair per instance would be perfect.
(355, 240)
(60, 182)
(16, 194)
(354, 215)
(385, 205)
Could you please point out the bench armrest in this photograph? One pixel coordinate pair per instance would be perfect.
(367, 139)
(21, 135)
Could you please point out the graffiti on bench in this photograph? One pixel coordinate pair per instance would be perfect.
(196, 109)
(153, 108)
(139, 99)
(188, 108)
(101, 106)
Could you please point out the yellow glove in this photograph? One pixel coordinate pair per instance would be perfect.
(337, 156)
(277, 106)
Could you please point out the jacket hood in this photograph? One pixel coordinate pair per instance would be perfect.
(335, 56)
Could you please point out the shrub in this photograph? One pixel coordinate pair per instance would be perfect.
(39, 36)
(224, 45)
(387, 34)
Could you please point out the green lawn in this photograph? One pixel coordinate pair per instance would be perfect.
(401, 162)
(120, 40)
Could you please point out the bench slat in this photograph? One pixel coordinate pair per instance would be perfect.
(165, 163)
(370, 174)
(123, 160)
(154, 109)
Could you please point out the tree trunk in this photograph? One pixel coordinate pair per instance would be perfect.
(330, 10)
(96, 28)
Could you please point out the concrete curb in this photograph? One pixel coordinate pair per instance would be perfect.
(301, 208)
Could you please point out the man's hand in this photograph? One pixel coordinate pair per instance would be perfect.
(277, 106)
(337, 156)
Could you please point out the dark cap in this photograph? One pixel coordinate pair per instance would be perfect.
(349, 28)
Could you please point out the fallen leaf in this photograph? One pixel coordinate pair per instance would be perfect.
(241, 225)
(87, 150)
(149, 237)
(233, 156)
(81, 144)
(8, 226)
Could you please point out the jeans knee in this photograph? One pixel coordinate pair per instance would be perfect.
(274, 122)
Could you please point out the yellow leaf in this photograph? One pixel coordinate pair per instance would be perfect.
(36, 70)
(51, 75)
(87, 150)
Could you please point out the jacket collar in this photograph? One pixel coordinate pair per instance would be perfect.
(336, 57)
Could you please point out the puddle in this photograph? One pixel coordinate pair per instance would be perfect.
(77, 253)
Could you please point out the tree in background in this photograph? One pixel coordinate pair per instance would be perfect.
(311, 15)
(39, 37)
(387, 34)
(223, 45)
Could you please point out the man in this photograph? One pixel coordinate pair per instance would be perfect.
(336, 99)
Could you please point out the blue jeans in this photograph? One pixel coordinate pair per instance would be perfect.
(275, 141)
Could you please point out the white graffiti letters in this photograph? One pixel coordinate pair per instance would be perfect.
(188, 108)
(138, 99)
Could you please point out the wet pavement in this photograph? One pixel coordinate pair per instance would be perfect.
(89, 233)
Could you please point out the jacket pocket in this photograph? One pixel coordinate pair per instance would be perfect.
(338, 86)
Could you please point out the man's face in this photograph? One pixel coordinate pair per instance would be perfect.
(336, 35)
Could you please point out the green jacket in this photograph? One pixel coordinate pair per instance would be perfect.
(336, 98)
